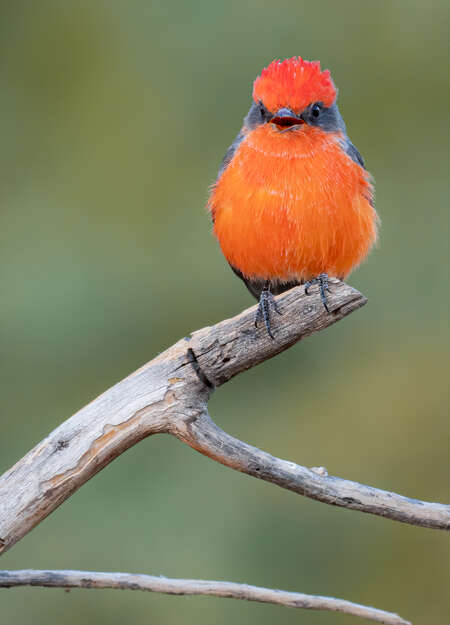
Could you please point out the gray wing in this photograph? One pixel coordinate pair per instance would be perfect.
(353, 152)
(229, 154)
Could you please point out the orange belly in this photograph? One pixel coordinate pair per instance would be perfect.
(292, 205)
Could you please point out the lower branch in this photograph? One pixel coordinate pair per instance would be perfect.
(230, 590)
(169, 395)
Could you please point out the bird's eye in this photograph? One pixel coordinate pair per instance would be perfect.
(316, 110)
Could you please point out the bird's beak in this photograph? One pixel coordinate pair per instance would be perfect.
(285, 118)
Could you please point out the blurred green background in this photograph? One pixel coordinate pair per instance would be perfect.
(114, 117)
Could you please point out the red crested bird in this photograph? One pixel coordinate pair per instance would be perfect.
(292, 203)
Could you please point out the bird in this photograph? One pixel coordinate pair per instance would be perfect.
(292, 202)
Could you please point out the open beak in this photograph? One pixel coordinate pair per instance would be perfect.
(285, 119)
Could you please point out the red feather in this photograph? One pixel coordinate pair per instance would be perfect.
(294, 83)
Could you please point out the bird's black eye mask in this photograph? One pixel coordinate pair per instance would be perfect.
(257, 115)
(316, 114)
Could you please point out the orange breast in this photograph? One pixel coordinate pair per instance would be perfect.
(292, 205)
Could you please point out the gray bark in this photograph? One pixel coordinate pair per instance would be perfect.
(169, 394)
(230, 590)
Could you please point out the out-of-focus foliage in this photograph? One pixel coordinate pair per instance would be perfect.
(113, 119)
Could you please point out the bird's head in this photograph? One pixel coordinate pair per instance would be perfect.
(292, 95)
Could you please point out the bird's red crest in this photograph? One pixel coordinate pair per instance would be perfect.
(294, 83)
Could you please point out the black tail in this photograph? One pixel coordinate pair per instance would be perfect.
(256, 286)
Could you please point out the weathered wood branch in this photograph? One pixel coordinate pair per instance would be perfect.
(203, 435)
(169, 394)
(129, 581)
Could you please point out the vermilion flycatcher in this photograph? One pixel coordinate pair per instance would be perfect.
(293, 202)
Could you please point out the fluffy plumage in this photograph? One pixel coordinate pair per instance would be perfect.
(293, 199)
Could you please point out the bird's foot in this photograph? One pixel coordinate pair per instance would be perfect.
(267, 302)
(322, 281)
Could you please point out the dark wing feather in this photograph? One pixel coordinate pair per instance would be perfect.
(230, 153)
(353, 153)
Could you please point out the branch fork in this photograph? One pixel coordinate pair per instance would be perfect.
(169, 395)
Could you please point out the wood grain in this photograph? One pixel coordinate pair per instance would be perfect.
(169, 395)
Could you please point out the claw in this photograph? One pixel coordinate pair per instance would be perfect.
(266, 303)
(322, 281)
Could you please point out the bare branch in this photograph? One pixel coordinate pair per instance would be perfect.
(230, 590)
(206, 437)
(169, 394)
